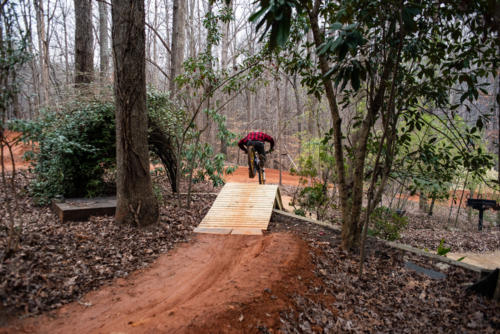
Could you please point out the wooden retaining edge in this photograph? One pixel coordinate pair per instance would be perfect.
(392, 244)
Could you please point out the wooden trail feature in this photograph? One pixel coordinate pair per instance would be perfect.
(241, 208)
(77, 209)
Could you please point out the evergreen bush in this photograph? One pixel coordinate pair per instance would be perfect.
(74, 149)
(387, 224)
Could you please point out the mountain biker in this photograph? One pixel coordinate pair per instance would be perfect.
(257, 139)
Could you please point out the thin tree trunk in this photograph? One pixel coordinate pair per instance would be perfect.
(136, 203)
(431, 208)
(224, 66)
(104, 41)
(43, 50)
(66, 49)
(178, 41)
(461, 198)
(496, 108)
(278, 125)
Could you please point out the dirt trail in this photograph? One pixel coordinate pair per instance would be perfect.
(485, 260)
(17, 151)
(272, 177)
(192, 286)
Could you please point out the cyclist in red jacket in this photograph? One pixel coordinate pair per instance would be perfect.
(257, 140)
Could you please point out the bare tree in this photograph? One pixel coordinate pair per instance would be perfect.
(104, 41)
(178, 41)
(84, 55)
(135, 200)
(43, 47)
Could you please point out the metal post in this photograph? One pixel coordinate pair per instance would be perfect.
(480, 225)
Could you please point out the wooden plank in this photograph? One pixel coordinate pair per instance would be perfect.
(245, 208)
(392, 244)
(78, 209)
(213, 230)
(247, 231)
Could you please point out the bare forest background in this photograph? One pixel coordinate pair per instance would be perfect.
(275, 102)
(414, 125)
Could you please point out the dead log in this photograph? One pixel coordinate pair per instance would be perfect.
(162, 145)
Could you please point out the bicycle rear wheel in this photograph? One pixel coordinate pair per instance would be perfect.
(262, 176)
(251, 162)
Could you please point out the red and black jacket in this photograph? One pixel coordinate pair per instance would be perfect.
(256, 136)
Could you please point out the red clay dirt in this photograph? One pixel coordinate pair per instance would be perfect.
(18, 150)
(215, 283)
(272, 177)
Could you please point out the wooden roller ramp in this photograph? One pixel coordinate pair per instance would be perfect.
(241, 208)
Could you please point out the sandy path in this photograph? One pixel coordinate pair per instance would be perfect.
(193, 285)
(485, 260)
(272, 177)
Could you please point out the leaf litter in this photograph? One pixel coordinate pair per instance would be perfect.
(58, 263)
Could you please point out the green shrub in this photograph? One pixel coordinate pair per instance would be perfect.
(75, 147)
(313, 198)
(442, 250)
(387, 224)
(299, 212)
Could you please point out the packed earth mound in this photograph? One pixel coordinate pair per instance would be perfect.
(188, 287)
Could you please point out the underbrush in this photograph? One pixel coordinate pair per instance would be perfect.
(75, 147)
(387, 224)
(58, 263)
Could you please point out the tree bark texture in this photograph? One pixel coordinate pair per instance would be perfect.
(178, 40)
(84, 53)
(43, 50)
(104, 41)
(350, 179)
(350, 224)
(136, 203)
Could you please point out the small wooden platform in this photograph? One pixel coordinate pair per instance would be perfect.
(77, 209)
(241, 208)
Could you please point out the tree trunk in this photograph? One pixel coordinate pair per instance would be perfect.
(224, 66)
(84, 53)
(178, 40)
(422, 202)
(431, 208)
(43, 50)
(207, 120)
(300, 112)
(496, 108)
(66, 49)
(351, 179)
(104, 41)
(136, 203)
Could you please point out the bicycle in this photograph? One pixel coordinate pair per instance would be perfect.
(256, 165)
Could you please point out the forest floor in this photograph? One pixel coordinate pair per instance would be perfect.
(97, 277)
